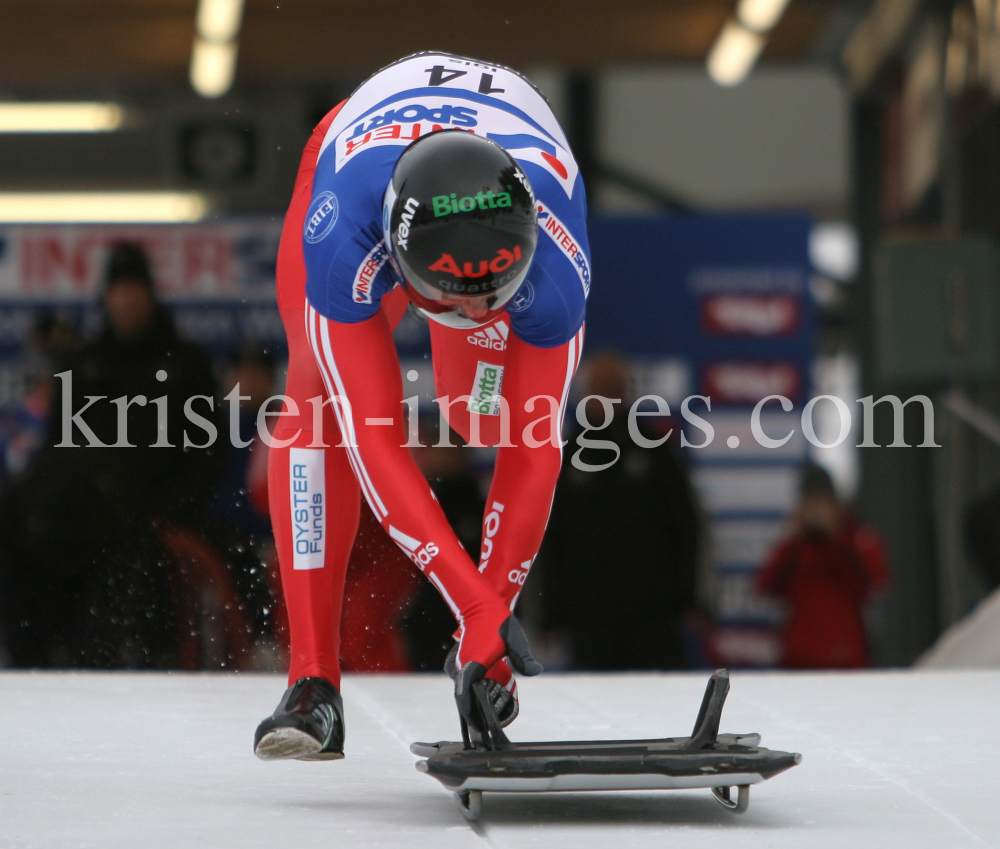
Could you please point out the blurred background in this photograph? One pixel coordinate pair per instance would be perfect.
(788, 197)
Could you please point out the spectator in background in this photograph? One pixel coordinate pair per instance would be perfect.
(635, 520)
(83, 577)
(241, 499)
(23, 428)
(140, 353)
(52, 341)
(825, 573)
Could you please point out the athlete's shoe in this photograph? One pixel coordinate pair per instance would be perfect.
(308, 724)
(501, 688)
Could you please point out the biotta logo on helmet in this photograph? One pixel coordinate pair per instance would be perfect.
(485, 395)
(403, 230)
(321, 217)
(445, 205)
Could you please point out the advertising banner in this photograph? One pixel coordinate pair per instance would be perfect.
(722, 304)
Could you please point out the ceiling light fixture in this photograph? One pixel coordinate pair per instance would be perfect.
(213, 67)
(760, 15)
(742, 39)
(734, 53)
(219, 20)
(213, 54)
(101, 207)
(60, 117)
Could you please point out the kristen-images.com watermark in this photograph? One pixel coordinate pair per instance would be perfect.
(538, 424)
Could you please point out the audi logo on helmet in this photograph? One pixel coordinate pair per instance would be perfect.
(500, 263)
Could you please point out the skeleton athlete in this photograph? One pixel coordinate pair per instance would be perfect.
(444, 184)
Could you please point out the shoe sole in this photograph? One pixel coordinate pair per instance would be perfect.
(290, 743)
(322, 756)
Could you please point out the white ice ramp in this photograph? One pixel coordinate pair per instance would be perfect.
(148, 761)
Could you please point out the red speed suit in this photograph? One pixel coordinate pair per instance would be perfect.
(327, 455)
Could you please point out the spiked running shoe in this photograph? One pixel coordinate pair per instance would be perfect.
(307, 725)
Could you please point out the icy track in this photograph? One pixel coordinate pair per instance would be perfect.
(151, 761)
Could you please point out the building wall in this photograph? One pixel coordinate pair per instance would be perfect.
(778, 140)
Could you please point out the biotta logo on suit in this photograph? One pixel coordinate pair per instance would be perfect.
(485, 394)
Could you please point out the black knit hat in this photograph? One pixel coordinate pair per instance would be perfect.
(127, 260)
(816, 480)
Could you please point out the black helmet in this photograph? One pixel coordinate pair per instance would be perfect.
(459, 219)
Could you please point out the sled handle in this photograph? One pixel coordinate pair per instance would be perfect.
(482, 731)
(706, 726)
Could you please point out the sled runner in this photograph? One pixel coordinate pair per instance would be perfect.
(487, 761)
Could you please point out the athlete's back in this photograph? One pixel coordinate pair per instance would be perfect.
(346, 260)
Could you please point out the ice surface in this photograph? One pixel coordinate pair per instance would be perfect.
(150, 761)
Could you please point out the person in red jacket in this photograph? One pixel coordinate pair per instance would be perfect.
(445, 186)
(825, 573)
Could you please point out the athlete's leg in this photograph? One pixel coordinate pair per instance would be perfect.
(313, 539)
(314, 500)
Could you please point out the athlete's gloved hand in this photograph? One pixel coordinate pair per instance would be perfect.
(469, 672)
(501, 686)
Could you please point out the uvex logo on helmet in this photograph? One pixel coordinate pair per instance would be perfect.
(500, 263)
(403, 230)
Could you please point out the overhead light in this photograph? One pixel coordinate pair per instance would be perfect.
(213, 54)
(60, 117)
(834, 250)
(760, 15)
(101, 207)
(734, 53)
(213, 67)
(219, 20)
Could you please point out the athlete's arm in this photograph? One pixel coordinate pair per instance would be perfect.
(525, 476)
(361, 370)
(543, 352)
